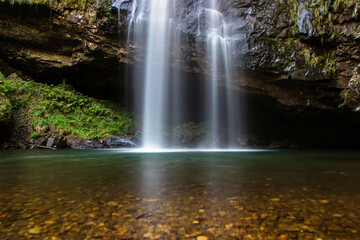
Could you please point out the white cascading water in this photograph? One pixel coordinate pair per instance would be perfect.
(156, 74)
(152, 24)
(213, 29)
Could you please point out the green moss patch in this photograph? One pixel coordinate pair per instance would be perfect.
(5, 105)
(78, 4)
(5, 109)
(56, 110)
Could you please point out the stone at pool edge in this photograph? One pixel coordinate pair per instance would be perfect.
(57, 142)
(50, 142)
(111, 142)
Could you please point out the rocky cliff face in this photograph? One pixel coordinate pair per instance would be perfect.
(303, 54)
(57, 43)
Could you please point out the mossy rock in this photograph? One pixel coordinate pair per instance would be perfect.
(5, 109)
(188, 133)
(56, 110)
(5, 116)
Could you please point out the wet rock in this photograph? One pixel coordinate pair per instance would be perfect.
(50, 222)
(351, 94)
(87, 144)
(229, 226)
(283, 237)
(111, 142)
(316, 220)
(121, 231)
(118, 142)
(61, 142)
(50, 142)
(73, 19)
(148, 235)
(274, 199)
(304, 20)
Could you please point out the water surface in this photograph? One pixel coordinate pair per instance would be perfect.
(112, 194)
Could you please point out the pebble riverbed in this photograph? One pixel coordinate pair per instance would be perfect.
(113, 195)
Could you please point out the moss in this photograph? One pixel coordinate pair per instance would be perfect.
(56, 110)
(356, 33)
(5, 105)
(93, 17)
(326, 62)
(342, 4)
(272, 40)
(35, 135)
(77, 4)
(5, 109)
(294, 16)
(322, 14)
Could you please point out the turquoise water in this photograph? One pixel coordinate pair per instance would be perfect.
(111, 194)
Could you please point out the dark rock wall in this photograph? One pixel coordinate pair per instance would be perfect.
(53, 45)
(301, 52)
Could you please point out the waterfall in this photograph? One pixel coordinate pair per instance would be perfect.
(213, 30)
(156, 74)
(154, 27)
(151, 25)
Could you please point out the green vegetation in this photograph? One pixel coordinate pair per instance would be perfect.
(322, 20)
(93, 9)
(341, 4)
(5, 105)
(322, 16)
(78, 4)
(293, 13)
(327, 63)
(5, 109)
(56, 110)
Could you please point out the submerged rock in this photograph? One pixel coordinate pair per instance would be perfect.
(35, 231)
(112, 204)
